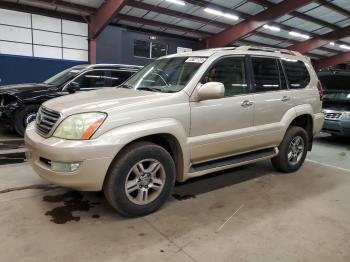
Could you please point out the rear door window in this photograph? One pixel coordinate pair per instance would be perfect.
(118, 77)
(297, 73)
(92, 79)
(266, 74)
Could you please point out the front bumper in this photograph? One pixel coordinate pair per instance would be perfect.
(337, 127)
(94, 156)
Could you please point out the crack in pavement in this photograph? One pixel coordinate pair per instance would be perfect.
(37, 186)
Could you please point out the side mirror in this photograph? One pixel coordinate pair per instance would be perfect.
(211, 90)
(73, 87)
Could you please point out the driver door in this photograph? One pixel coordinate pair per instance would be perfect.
(222, 127)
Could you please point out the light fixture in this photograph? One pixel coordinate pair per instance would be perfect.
(272, 28)
(345, 47)
(296, 34)
(219, 13)
(332, 43)
(177, 2)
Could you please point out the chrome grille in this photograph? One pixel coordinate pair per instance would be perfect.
(45, 120)
(332, 115)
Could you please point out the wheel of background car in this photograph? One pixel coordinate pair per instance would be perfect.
(140, 180)
(292, 150)
(23, 117)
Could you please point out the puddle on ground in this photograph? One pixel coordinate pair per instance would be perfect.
(73, 201)
(11, 144)
(12, 158)
(183, 197)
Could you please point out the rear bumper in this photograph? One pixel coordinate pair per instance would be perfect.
(94, 156)
(339, 127)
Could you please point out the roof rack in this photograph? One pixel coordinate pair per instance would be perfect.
(268, 49)
(223, 48)
(120, 65)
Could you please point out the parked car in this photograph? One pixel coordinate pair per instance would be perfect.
(20, 103)
(180, 117)
(336, 105)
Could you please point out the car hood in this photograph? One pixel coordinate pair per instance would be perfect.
(103, 100)
(21, 89)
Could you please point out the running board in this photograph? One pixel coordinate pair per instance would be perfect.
(233, 161)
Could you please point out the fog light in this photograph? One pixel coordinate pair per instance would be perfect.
(64, 167)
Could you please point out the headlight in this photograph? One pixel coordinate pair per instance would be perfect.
(346, 115)
(80, 126)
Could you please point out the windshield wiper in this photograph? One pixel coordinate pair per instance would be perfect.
(153, 89)
(124, 86)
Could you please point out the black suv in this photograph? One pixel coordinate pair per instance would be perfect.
(20, 103)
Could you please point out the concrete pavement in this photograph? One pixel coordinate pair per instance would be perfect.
(282, 217)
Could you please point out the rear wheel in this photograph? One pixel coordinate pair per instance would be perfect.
(292, 150)
(24, 117)
(141, 180)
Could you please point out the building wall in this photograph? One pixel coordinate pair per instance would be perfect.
(34, 47)
(25, 69)
(116, 45)
(34, 35)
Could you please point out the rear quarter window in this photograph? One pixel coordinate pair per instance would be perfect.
(297, 74)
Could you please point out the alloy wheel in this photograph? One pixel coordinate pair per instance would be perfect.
(145, 181)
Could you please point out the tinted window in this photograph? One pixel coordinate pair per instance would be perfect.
(282, 76)
(158, 50)
(142, 48)
(92, 79)
(118, 77)
(231, 72)
(297, 74)
(266, 74)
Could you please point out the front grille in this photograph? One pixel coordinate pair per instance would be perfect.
(332, 116)
(45, 120)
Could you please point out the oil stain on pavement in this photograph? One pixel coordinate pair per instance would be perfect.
(73, 201)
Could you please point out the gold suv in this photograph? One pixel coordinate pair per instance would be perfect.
(182, 116)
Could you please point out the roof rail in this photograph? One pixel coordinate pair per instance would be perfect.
(120, 65)
(223, 48)
(268, 49)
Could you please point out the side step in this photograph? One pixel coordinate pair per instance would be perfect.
(232, 161)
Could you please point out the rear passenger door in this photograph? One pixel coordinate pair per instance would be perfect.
(273, 100)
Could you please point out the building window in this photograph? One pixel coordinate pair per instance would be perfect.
(142, 49)
(158, 50)
(150, 50)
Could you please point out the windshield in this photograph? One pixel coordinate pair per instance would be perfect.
(340, 97)
(63, 76)
(168, 75)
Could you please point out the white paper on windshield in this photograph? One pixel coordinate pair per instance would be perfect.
(197, 60)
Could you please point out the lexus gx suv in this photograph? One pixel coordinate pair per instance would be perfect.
(182, 116)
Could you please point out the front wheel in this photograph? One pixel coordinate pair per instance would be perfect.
(140, 180)
(24, 117)
(292, 150)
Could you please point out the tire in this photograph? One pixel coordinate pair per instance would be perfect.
(124, 173)
(24, 117)
(286, 161)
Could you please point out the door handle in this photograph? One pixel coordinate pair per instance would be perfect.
(285, 99)
(246, 103)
